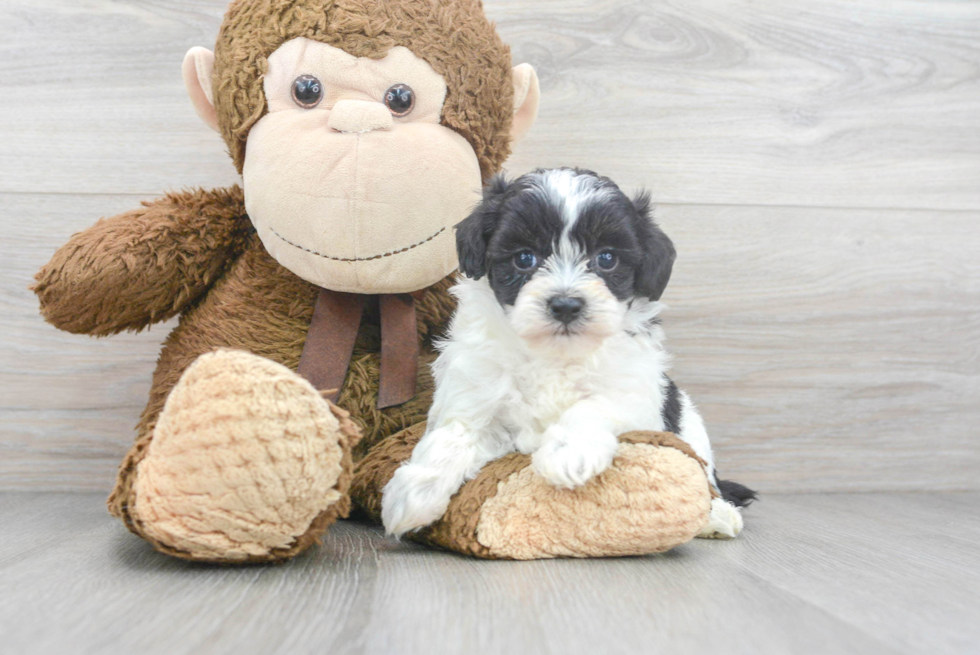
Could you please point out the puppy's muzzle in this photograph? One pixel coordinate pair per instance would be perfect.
(565, 309)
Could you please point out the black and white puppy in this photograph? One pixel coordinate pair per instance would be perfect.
(555, 348)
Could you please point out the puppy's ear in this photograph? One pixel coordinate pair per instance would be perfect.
(654, 272)
(473, 234)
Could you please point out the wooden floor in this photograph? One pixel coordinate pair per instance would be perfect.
(844, 573)
(817, 165)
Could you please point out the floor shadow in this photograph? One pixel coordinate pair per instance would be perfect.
(136, 554)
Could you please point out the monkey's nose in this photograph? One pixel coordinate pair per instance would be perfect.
(565, 308)
(357, 116)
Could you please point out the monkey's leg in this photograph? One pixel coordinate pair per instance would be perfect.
(246, 463)
(655, 496)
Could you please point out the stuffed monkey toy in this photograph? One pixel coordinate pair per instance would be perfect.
(298, 378)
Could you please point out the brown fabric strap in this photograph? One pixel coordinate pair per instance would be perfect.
(330, 341)
(330, 344)
(399, 350)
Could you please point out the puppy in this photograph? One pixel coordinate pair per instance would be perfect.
(555, 347)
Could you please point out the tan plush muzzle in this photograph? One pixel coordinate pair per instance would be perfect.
(347, 194)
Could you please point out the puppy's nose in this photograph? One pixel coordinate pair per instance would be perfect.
(565, 308)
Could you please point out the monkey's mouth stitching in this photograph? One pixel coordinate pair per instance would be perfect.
(359, 259)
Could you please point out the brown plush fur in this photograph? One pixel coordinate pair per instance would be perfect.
(260, 307)
(457, 529)
(144, 266)
(196, 253)
(454, 37)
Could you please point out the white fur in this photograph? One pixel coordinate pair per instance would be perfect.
(496, 393)
(516, 379)
(570, 191)
(725, 521)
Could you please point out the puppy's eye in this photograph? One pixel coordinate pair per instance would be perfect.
(307, 91)
(525, 260)
(400, 99)
(606, 261)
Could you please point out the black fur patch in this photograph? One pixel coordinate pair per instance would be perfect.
(516, 217)
(626, 227)
(507, 222)
(526, 223)
(737, 494)
(476, 229)
(671, 411)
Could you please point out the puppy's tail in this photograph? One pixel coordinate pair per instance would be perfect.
(737, 494)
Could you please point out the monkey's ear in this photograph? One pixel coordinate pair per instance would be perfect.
(527, 94)
(197, 69)
(473, 234)
(659, 254)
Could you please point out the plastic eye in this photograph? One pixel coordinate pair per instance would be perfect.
(400, 99)
(606, 261)
(525, 260)
(307, 91)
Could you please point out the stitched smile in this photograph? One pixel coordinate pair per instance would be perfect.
(358, 259)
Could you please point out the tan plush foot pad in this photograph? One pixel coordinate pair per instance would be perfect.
(654, 497)
(247, 464)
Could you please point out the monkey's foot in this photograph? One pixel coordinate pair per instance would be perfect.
(247, 463)
(655, 496)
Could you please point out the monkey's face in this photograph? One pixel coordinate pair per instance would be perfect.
(350, 180)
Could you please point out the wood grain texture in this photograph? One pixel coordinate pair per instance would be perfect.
(828, 349)
(839, 574)
(874, 103)
(840, 103)
(831, 349)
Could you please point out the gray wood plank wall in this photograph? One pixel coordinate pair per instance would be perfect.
(818, 165)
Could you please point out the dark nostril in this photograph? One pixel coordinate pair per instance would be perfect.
(565, 308)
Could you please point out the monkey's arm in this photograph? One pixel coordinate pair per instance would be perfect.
(143, 266)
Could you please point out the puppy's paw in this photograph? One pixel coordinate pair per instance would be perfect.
(570, 461)
(412, 499)
(725, 521)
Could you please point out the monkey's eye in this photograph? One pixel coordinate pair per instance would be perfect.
(307, 91)
(525, 260)
(400, 99)
(606, 260)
